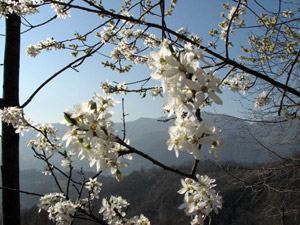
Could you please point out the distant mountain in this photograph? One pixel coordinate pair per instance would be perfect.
(150, 136)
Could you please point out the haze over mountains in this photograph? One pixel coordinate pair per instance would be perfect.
(156, 186)
(150, 136)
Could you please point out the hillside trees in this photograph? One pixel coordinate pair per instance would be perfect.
(190, 75)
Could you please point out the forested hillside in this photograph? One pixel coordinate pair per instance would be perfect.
(262, 194)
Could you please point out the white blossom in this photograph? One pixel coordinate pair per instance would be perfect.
(200, 199)
(90, 134)
(15, 116)
(262, 100)
(60, 9)
(49, 44)
(94, 188)
(112, 209)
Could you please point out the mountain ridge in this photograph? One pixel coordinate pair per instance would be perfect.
(150, 136)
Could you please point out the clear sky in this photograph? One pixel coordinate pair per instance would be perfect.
(71, 87)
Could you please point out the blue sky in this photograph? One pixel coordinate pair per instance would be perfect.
(71, 87)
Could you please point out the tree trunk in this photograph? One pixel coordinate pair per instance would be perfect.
(10, 140)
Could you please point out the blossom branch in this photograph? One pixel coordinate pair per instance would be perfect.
(182, 37)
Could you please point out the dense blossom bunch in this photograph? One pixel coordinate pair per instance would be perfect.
(114, 212)
(60, 9)
(188, 86)
(239, 83)
(156, 91)
(112, 209)
(91, 134)
(234, 15)
(46, 139)
(59, 209)
(124, 49)
(185, 82)
(27, 7)
(137, 220)
(262, 100)
(200, 199)
(49, 44)
(21, 7)
(108, 88)
(94, 188)
(15, 116)
(188, 134)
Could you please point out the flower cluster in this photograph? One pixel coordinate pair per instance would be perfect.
(234, 15)
(15, 116)
(138, 220)
(59, 209)
(91, 134)
(156, 91)
(188, 134)
(112, 209)
(184, 32)
(60, 9)
(94, 188)
(21, 8)
(46, 139)
(49, 44)
(188, 86)
(200, 199)
(108, 88)
(241, 83)
(262, 100)
(27, 7)
(113, 213)
(124, 49)
(185, 82)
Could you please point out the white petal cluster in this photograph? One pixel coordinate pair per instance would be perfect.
(60, 10)
(126, 51)
(262, 100)
(106, 87)
(241, 11)
(15, 117)
(200, 199)
(234, 15)
(185, 82)
(27, 7)
(108, 35)
(112, 209)
(94, 188)
(156, 91)
(114, 212)
(152, 41)
(187, 86)
(46, 139)
(49, 44)
(121, 88)
(59, 209)
(21, 7)
(90, 134)
(188, 134)
(138, 220)
(239, 83)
